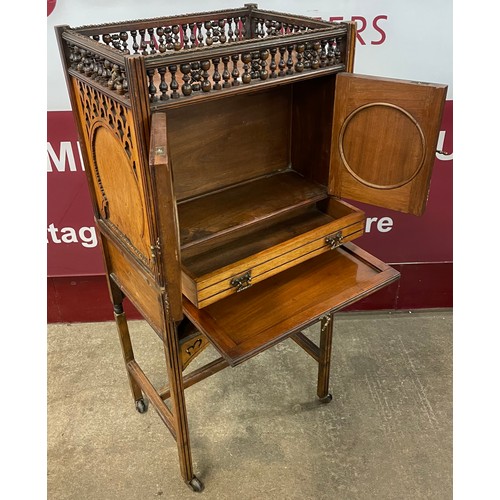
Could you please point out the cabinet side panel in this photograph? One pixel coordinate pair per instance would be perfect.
(312, 118)
(220, 143)
(140, 288)
(110, 142)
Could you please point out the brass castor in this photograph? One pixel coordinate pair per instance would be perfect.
(141, 405)
(326, 399)
(196, 485)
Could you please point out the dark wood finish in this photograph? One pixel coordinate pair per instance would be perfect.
(141, 114)
(308, 345)
(238, 138)
(179, 412)
(256, 87)
(325, 349)
(198, 375)
(225, 211)
(384, 140)
(116, 27)
(127, 350)
(311, 127)
(350, 46)
(217, 147)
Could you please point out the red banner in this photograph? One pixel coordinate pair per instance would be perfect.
(71, 236)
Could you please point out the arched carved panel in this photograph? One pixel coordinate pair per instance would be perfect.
(118, 183)
(114, 164)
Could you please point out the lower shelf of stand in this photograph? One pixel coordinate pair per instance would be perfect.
(244, 324)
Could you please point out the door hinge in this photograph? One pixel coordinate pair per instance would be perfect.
(155, 249)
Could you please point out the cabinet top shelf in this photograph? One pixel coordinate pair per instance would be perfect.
(201, 53)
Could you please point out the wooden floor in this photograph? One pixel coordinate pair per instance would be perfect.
(257, 431)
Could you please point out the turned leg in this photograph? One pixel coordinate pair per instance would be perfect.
(325, 354)
(174, 370)
(128, 354)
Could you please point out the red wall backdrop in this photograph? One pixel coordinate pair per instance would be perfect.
(419, 247)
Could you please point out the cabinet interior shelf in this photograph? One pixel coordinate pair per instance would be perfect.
(212, 255)
(228, 210)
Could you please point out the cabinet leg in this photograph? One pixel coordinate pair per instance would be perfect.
(128, 355)
(325, 354)
(174, 370)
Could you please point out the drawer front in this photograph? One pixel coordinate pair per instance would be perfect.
(346, 224)
(238, 282)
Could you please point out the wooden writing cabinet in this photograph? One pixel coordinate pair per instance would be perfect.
(218, 148)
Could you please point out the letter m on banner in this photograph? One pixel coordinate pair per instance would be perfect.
(65, 159)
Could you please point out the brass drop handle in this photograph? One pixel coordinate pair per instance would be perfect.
(242, 282)
(334, 240)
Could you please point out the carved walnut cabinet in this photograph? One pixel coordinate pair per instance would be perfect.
(219, 148)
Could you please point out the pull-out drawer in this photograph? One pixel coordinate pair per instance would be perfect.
(231, 263)
(243, 325)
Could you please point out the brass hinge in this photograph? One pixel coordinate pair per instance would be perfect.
(325, 321)
(155, 249)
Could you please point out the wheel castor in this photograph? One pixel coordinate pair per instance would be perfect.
(141, 405)
(196, 485)
(326, 399)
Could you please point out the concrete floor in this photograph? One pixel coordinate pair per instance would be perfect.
(256, 430)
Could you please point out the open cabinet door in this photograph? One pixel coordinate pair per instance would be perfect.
(384, 140)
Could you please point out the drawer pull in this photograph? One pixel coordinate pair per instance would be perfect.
(334, 240)
(242, 282)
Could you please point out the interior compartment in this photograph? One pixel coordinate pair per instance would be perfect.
(249, 158)
(244, 205)
(220, 143)
(250, 179)
(266, 248)
(217, 144)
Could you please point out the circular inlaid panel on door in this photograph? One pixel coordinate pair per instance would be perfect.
(378, 134)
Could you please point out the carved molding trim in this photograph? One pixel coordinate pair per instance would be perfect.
(126, 242)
